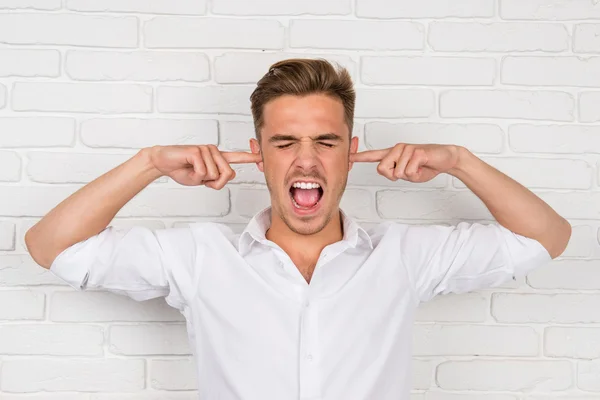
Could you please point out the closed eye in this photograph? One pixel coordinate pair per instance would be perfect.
(326, 144)
(284, 146)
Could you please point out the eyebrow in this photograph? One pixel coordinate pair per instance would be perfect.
(292, 138)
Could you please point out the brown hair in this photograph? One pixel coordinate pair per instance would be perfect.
(302, 77)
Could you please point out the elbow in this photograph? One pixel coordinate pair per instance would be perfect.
(560, 238)
(34, 249)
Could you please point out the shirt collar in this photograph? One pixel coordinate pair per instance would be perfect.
(256, 230)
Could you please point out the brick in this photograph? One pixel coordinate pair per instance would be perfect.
(394, 103)
(582, 242)
(534, 105)
(36, 131)
(181, 32)
(47, 396)
(549, 9)
(136, 133)
(428, 71)
(28, 305)
(546, 308)
(430, 205)
(99, 306)
(58, 375)
(449, 340)
(551, 71)
(365, 174)
(479, 138)
(82, 97)
(256, 65)
(247, 173)
(588, 107)
(461, 396)
(207, 99)
(154, 395)
(3, 95)
(571, 274)
(173, 375)
(588, 375)
(359, 204)
(247, 202)
(185, 7)
(69, 30)
(137, 66)
(285, 7)
(505, 375)
(424, 9)
(70, 167)
(31, 4)
(496, 36)
(236, 135)
(55, 340)
(468, 307)
(134, 340)
(543, 172)
(423, 373)
(10, 166)
(565, 139)
(21, 270)
(356, 34)
(29, 63)
(7, 236)
(581, 343)
(586, 38)
(151, 202)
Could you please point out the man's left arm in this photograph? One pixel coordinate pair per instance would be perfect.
(514, 206)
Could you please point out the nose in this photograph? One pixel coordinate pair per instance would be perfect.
(306, 156)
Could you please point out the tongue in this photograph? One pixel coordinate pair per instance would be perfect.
(306, 197)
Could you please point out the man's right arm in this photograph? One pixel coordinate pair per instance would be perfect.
(89, 210)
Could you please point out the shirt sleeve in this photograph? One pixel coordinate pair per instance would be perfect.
(137, 262)
(466, 257)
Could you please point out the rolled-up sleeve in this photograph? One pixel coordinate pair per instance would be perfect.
(137, 262)
(466, 257)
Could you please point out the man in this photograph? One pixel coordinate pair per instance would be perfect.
(304, 304)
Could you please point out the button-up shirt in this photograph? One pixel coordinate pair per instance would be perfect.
(259, 331)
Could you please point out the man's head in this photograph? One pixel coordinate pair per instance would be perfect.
(303, 113)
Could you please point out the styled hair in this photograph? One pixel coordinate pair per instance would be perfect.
(301, 77)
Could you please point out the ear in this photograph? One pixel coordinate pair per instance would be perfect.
(353, 149)
(255, 148)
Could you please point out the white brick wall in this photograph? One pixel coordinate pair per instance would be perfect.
(85, 83)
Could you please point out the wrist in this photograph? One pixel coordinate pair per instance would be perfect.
(146, 160)
(463, 158)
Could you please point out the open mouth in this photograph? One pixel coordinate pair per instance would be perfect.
(306, 195)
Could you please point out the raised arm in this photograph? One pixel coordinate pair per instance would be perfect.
(512, 205)
(89, 210)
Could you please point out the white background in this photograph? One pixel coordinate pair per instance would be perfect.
(85, 83)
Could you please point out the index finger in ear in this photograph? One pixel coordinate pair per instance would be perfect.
(241, 157)
(369, 155)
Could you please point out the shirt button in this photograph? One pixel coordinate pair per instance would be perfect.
(309, 357)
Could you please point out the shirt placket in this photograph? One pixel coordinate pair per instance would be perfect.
(310, 385)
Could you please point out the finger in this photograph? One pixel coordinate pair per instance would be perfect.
(212, 172)
(369, 155)
(241, 157)
(400, 170)
(198, 173)
(413, 167)
(388, 163)
(226, 173)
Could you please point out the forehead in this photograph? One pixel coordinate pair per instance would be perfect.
(304, 116)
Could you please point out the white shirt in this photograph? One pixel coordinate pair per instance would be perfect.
(259, 331)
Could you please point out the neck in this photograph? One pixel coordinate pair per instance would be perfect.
(311, 246)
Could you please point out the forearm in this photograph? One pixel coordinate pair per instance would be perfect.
(512, 205)
(89, 210)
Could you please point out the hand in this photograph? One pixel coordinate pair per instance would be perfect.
(199, 165)
(411, 162)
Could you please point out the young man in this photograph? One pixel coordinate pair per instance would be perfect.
(304, 304)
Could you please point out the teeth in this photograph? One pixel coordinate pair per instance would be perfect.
(306, 185)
